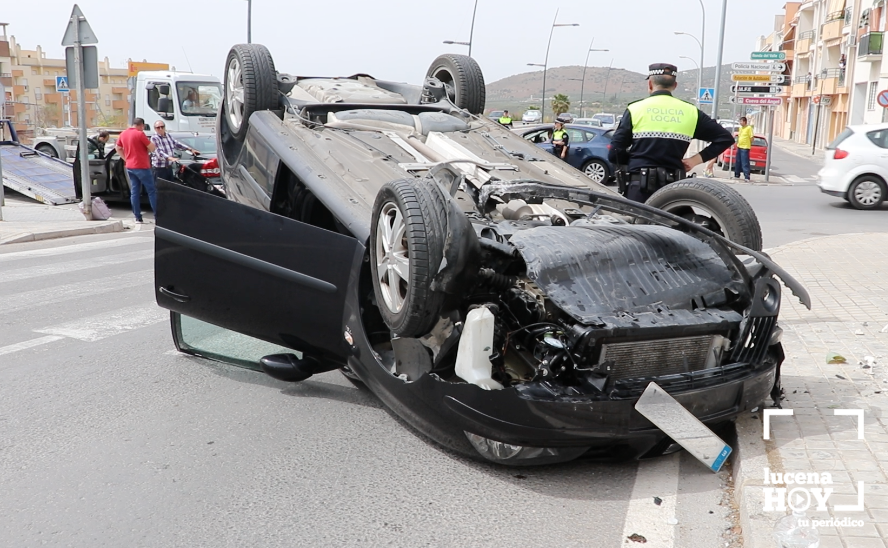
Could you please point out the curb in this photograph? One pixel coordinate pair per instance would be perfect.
(104, 227)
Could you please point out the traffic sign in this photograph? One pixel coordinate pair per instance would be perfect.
(882, 98)
(770, 55)
(769, 67)
(772, 78)
(86, 34)
(705, 95)
(823, 100)
(760, 100)
(62, 84)
(738, 88)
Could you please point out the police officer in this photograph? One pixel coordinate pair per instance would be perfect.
(659, 129)
(505, 119)
(560, 140)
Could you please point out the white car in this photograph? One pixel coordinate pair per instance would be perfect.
(532, 117)
(608, 121)
(856, 166)
(593, 122)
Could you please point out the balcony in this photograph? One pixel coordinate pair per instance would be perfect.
(831, 80)
(803, 42)
(120, 105)
(801, 85)
(787, 48)
(848, 14)
(870, 47)
(832, 28)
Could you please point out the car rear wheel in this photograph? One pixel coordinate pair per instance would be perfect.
(596, 170)
(250, 86)
(49, 150)
(406, 246)
(462, 79)
(713, 205)
(867, 192)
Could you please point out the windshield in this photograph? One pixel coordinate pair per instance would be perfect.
(605, 118)
(199, 98)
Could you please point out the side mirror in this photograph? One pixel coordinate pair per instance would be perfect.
(164, 89)
(163, 105)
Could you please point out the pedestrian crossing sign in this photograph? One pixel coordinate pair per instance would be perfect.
(705, 95)
(62, 83)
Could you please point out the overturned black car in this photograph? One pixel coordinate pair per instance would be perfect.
(489, 294)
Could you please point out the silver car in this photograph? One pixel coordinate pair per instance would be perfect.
(532, 116)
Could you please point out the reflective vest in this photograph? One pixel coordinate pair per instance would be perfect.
(558, 135)
(505, 120)
(663, 117)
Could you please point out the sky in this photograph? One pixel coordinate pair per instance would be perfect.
(398, 39)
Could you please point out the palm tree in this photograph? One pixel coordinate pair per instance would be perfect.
(560, 103)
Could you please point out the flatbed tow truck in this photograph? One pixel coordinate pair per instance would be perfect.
(32, 173)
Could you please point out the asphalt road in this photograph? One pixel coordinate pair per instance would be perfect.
(112, 438)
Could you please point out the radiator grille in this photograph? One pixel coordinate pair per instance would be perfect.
(754, 340)
(658, 357)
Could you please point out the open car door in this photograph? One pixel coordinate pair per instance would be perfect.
(253, 272)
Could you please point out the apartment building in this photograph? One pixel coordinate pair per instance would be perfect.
(834, 62)
(29, 80)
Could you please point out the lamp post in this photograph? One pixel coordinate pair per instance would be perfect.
(583, 85)
(249, 21)
(699, 66)
(698, 76)
(545, 64)
(471, 32)
(606, 78)
(718, 60)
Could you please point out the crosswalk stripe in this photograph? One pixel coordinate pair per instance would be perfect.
(101, 326)
(53, 295)
(655, 478)
(74, 248)
(28, 344)
(72, 266)
(793, 179)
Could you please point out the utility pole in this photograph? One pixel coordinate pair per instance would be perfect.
(718, 61)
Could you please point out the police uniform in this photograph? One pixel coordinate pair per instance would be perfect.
(505, 119)
(659, 129)
(564, 137)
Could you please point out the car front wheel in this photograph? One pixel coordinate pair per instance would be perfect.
(867, 192)
(250, 86)
(596, 170)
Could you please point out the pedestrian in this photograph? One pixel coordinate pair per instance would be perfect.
(560, 141)
(164, 153)
(133, 146)
(505, 119)
(744, 145)
(659, 130)
(95, 149)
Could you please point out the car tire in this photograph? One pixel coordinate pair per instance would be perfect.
(49, 150)
(866, 192)
(407, 235)
(713, 205)
(597, 171)
(250, 86)
(462, 79)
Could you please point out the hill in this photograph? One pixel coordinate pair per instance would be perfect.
(521, 91)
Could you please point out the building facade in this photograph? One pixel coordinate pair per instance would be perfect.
(29, 80)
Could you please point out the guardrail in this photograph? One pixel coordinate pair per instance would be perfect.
(807, 35)
(870, 44)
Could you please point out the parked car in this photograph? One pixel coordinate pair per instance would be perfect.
(594, 122)
(565, 117)
(588, 148)
(855, 167)
(495, 115)
(758, 155)
(608, 121)
(730, 125)
(532, 116)
(478, 286)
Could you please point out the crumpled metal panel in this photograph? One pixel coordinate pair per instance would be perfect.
(591, 272)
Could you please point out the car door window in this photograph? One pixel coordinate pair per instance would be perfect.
(576, 136)
(878, 138)
(589, 135)
(537, 137)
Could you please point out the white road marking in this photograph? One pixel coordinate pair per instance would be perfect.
(74, 248)
(102, 326)
(71, 266)
(793, 179)
(28, 344)
(657, 477)
(52, 296)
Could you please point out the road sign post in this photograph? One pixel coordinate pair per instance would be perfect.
(770, 145)
(2, 116)
(77, 34)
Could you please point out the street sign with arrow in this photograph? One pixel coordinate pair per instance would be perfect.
(768, 67)
(772, 78)
(738, 88)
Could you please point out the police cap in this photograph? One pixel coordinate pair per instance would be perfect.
(662, 69)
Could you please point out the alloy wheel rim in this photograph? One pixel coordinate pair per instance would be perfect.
(235, 94)
(868, 193)
(699, 214)
(392, 257)
(595, 171)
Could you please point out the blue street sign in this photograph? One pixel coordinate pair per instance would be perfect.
(62, 83)
(705, 95)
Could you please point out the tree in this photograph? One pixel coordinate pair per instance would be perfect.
(560, 103)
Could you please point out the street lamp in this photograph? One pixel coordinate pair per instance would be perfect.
(471, 32)
(249, 21)
(606, 78)
(698, 76)
(583, 85)
(699, 66)
(545, 64)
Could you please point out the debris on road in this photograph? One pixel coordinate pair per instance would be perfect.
(635, 537)
(835, 358)
(658, 501)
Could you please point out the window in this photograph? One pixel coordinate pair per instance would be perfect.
(38, 94)
(839, 138)
(199, 98)
(871, 100)
(878, 138)
(107, 100)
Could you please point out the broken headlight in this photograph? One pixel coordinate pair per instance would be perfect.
(506, 453)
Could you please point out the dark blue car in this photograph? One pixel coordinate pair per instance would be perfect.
(588, 147)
